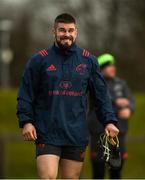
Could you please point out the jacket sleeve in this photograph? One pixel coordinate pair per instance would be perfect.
(100, 93)
(127, 93)
(27, 92)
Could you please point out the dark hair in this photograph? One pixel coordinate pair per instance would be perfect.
(65, 18)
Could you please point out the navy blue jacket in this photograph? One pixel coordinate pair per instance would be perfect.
(52, 95)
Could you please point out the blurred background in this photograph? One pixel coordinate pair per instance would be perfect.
(113, 26)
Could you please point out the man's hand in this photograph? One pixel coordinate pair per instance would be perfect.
(124, 113)
(111, 130)
(29, 132)
(122, 102)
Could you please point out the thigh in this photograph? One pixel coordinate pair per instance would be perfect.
(70, 169)
(47, 161)
(47, 166)
(72, 161)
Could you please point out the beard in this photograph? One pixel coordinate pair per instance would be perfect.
(65, 45)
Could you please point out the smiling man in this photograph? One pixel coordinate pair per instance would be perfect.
(52, 102)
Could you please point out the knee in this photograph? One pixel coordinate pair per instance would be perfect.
(47, 174)
(74, 175)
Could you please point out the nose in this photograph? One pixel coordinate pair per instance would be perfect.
(67, 33)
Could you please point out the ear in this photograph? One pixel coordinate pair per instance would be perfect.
(76, 33)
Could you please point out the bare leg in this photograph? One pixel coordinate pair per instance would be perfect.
(70, 169)
(47, 166)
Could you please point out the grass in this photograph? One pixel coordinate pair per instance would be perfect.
(137, 122)
(20, 156)
(20, 160)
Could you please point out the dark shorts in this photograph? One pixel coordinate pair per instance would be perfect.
(64, 152)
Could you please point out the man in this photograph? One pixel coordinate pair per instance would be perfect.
(123, 104)
(52, 102)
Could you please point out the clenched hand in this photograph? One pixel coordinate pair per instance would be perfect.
(111, 130)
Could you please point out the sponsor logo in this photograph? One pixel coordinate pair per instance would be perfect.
(81, 68)
(65, 93)
(65, 84)
(51, 68)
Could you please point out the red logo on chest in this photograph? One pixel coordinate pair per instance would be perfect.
(65, 84)
(51, 68)
(81, 68)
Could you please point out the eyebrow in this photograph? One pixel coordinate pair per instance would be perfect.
(64, 29)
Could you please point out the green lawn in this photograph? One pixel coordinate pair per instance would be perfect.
(20, 156)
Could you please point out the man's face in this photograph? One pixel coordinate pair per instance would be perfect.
(65, 34)
(109, 71)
